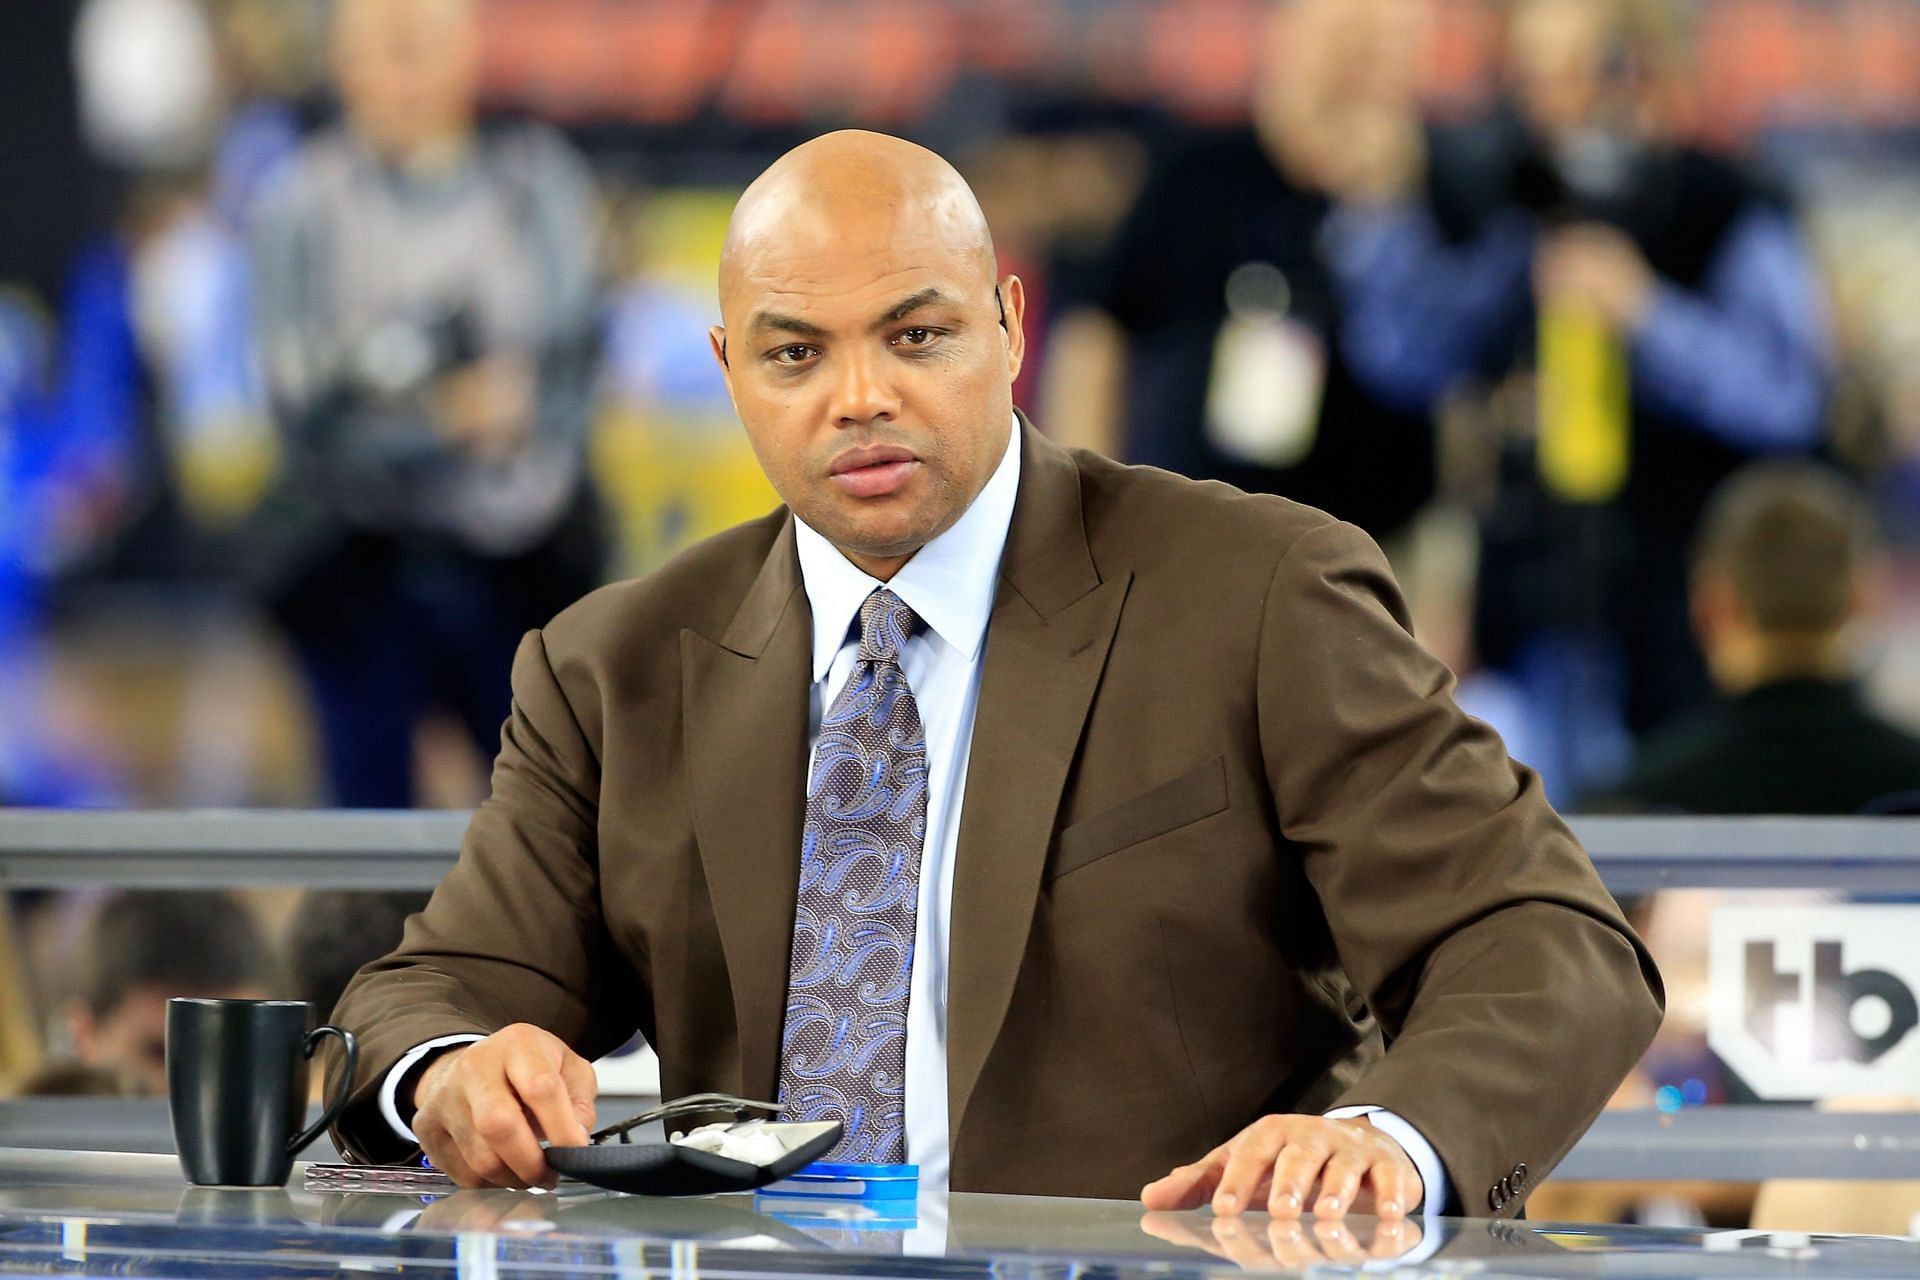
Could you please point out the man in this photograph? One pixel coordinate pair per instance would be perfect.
(426, 305)
(1645, 318)
(1212, 342)
(1135, 819)
(145, 948)
(1781, 581)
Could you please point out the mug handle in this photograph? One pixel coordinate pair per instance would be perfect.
(300, 1141)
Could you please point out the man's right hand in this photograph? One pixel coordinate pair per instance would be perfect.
(482, 1109)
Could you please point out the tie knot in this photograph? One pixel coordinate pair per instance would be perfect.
(885, 624)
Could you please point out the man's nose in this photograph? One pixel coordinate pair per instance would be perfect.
(864, 391)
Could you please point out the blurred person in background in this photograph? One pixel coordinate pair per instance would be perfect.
(194, 103)
(65, 1078)
(1640, 316)
(426, 305)
(335, 931)
(155, 416)
(145, 948)
(1213, 339)
(1782, 580)
(54, 487)
(22, 364)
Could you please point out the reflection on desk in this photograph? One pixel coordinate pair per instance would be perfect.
(89, 1213)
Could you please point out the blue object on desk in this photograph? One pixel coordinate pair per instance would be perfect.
(823, 1179)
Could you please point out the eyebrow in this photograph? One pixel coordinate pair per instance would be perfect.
(764, 321)
(900, 310)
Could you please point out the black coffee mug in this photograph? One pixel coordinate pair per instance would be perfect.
(237, 1087)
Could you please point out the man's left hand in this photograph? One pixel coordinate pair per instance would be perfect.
(487, 407)
(1292, 1162)
(1596, 266)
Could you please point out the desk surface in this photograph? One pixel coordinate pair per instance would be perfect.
(89, 1213)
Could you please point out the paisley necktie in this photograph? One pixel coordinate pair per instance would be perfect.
(843, 1046)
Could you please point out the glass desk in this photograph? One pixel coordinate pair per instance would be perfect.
(90, 1213)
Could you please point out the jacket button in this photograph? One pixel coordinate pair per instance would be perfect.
(1520, 1175)
(1494, 1202)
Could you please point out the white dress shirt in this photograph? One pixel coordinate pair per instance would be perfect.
(949, 584)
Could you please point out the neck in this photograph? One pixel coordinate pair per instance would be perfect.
(428, 156)
(1753, 659)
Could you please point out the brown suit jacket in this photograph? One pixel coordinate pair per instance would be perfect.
(1224, 832)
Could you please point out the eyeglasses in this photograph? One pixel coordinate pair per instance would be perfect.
(692, 1105)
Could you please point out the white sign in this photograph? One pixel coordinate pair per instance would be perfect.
(1817, 1002)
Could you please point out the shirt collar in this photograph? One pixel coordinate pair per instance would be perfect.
(948, 583)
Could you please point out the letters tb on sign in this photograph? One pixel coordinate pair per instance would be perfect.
(1819, 1001)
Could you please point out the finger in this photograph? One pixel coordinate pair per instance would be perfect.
(1187, 1187)
(1336, 1240)
(1339, 1181)
(1294, 1173)
(1395, 1184)
(507, 1154)
(1249, 1163)
(442, 1152)
(484, 1168)
(448, 1160)
(543, 1093)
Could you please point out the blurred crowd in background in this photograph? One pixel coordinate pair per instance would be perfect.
(1600, 315)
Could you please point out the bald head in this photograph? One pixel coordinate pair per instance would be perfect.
(407, 71)
(868, 347)
(854, 188)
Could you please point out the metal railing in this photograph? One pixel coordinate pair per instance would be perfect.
(321, 849)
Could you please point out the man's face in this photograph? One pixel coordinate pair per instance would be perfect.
(868, 361)
(407, 69)
(1561, 61)
(1347, 54)
(1338, 76)
(133, 1034)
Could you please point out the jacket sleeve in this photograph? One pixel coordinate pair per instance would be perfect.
(514, 933)
(1513, 995)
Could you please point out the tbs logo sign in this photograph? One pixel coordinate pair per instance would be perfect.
(1816, 1002)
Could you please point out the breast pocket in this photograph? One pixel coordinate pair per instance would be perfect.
(1196, 794)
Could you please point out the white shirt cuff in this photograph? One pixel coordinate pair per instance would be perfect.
(389, 1107)
(1433, 1181)
(1426, 1161)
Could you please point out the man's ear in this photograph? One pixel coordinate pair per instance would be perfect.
(1012, 297)
(1713, 606)
(717, 339)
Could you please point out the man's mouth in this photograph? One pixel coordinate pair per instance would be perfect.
(873, 471)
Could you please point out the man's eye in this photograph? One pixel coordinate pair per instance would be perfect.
(798, 353)
(916, 337)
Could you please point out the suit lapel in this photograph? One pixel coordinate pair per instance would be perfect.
(746, 738)
(1053, 622)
